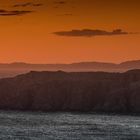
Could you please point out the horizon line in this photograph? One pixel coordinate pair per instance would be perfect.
(59, 63)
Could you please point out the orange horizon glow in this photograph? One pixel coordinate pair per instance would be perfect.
(29, 38)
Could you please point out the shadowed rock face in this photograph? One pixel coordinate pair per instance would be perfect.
(75, 91)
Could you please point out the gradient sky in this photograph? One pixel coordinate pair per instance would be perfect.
(27, 30)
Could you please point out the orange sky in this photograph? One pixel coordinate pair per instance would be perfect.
(29, 37)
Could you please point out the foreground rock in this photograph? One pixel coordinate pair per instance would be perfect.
(75, 91)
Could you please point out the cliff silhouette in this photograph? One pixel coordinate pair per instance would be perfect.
(72, 91)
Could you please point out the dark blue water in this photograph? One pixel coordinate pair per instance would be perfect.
(67, 126)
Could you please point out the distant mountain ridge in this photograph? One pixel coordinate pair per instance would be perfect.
(16, 68)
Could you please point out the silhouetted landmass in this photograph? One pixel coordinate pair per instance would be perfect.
(73, 91)
(13, 69)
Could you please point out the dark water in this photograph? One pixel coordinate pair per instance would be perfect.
(67, 126)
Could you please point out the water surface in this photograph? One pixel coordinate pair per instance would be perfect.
(67, 126)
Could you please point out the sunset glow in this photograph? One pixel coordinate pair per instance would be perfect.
(28, 30)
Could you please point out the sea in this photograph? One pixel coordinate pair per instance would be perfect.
(15, 125)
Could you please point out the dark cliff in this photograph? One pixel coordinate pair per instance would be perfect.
(74, 91)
